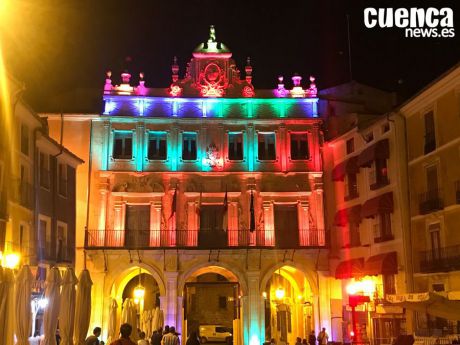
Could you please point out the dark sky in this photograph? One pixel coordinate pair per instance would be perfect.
(55, 46)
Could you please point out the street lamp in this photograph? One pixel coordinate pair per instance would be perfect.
(10, 260)
(139, 293)
(279, 293)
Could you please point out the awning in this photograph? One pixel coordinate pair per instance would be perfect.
(348, 215)
(350, 166)
(380, 150)
(435, 305)
(380, 204)
(381, 264)
(349, 268)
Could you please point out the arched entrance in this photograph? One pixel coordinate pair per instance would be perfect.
(142, 286)
(288, 305)
(212, 306)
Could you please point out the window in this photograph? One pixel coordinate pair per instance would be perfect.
(137, 226)
(435, 240)
(222, 305)
(368, 137)
(189, 146)
(211, 217)
(378, 174)
(286, 226)
(44, 232)
(235, 146)
(432, 180)
(157, 146)
(351, 186)
(350, 145)
(438, 287)
(123, 145)
(385, 127)
(382, 227)
(430, 136)
(299, 146)
(354, 236)
(266, 146)
(61, 243)
(44, 170)
(62, 179)
(25, 139)
(389, 286)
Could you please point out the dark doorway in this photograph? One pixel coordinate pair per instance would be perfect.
(286, 226)
(137, 227)
(211, 233)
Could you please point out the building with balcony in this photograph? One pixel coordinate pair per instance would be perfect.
(208, 181)
(366, 213)
(37, 184)
(433, 143)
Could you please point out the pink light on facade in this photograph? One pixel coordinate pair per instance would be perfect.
(108, 83)
(312, 90)
(141, 89)
(281, 91)
(248, 70)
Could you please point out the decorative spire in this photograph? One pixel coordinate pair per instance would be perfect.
(108, 83)
(141, 89)
(212, 34)
(312, 90)
(175, 70)
(297, 90)
(281, 91)
(125, 77)
(248, 70)
(296, 79)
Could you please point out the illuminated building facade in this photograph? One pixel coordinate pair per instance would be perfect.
(433, 145)
(207, 176)
(367, 209)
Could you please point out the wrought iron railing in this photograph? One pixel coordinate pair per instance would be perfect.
(202, 239)
(431, 201)
(440, 260)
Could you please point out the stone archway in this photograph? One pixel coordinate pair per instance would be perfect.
(233, 286)
(289, 299)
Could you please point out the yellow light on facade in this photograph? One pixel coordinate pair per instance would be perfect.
(279, 293)
(299, 297)
(11, 260)
(264, 295)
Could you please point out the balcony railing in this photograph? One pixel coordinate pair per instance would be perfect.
(440, 260)
(431, 201)
(199, 239)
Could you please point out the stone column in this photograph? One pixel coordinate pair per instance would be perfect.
(253, 323)
(192, 224)
(250, 147)
(171, 309)
(283, 148)
(155, 224)
(139, 146)
(318, 194)
(269, 223)
(232, 224)
(103, 195)
(305, 238)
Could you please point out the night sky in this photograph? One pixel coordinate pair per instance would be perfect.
(59, 46)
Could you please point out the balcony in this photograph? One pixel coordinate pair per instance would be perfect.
(199, 239)
(431, 201)
(441, 260)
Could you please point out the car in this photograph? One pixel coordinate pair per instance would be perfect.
(215, 333)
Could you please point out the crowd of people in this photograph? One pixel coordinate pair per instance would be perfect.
(169, 336)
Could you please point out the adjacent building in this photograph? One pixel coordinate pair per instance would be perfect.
(433, 147)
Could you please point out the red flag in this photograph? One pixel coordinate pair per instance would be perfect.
(174, 204)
